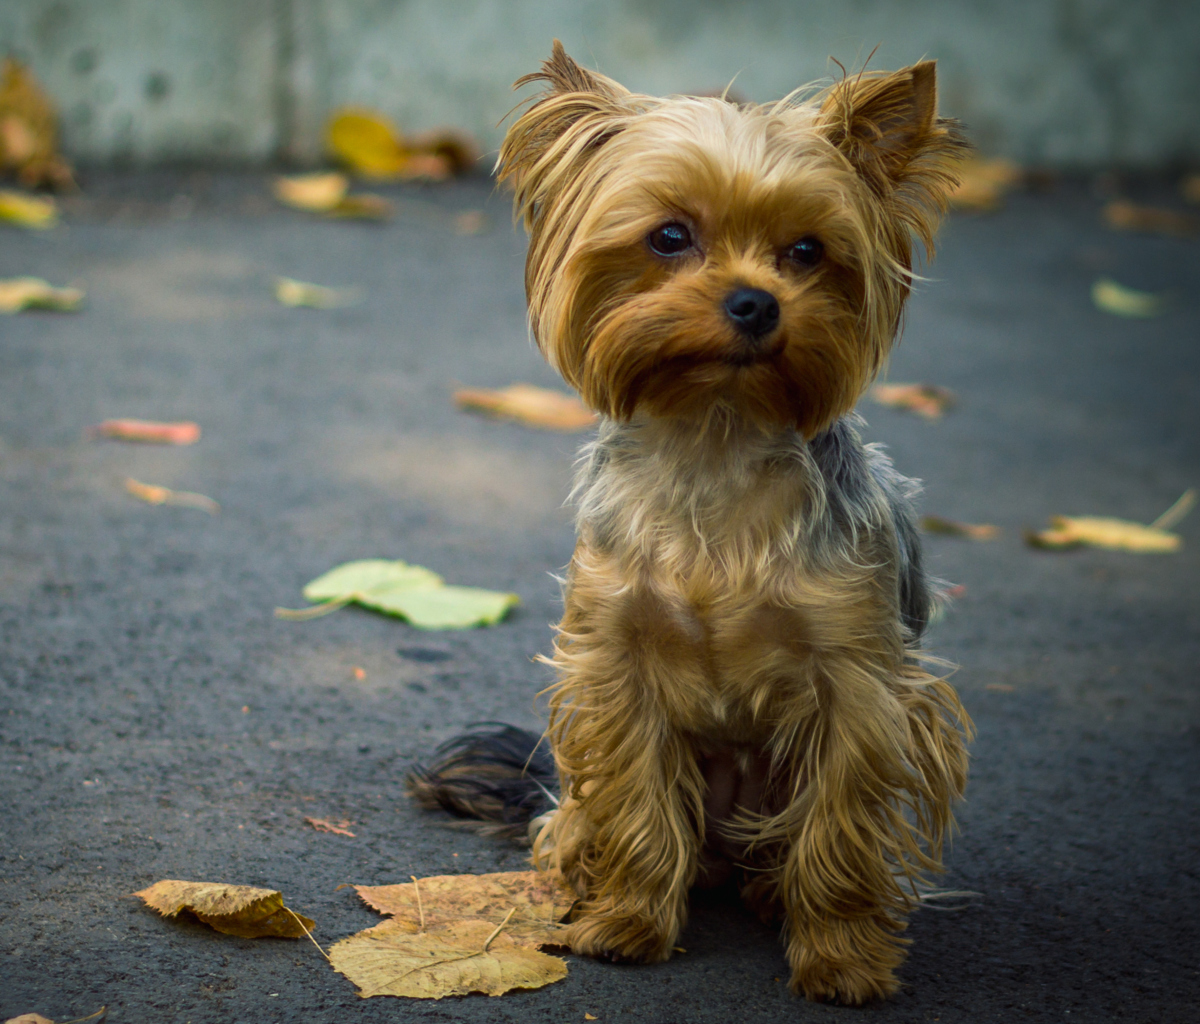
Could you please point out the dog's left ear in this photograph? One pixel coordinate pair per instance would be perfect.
(886, 125)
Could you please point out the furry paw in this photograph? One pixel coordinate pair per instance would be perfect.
(849, 983)
(629, 940)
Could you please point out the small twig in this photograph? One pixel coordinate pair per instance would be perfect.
(420, 909)
(91, 1016)
(308, 933)
(1176, 512)
(498, 929)
(314, 611)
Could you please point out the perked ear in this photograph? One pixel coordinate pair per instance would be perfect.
(886, 125)
(577, 113)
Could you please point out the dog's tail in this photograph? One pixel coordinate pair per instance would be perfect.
(497, 777)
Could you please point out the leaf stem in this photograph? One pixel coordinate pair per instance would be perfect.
(315, 611)
(1176, 512)
(91, 1016)
(308, 933)
(420, 909)
(498, 929)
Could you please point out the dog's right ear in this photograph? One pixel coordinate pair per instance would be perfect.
(578, 112)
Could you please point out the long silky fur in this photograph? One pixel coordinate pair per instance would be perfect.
(747, 587)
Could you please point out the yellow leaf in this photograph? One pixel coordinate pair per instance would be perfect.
(1121, 301)
(458, 959)
(533, 406)
(363, 206)
(367, 143)
(240, 910)
(926, 400)
(28, 211)
(18, 293)
(153, 494)
(317, 193)
(29, 130)
(588, 1016)
(148, 431)
(29, 1018)
(300, 293)
(537, 901)
(983, 183)
(1099, 532)
(953, 528)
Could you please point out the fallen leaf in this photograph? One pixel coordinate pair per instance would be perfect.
(327, 194)
(148, 431)
(240, 910)
(533, 406)
(29, 1018)
(18, 293)
(461, 958)
(953, 528)
(370, 145)
(1190, 186)
(983, 184)
(1098, 532)
(316, 193)
(588, 1016)
(1126, 216)
(37, 212)
(338, 828)
(314, 296)
(410, 592)
(153, 494)
(926, 400)
(537, 901)
(29, 130)
(470, 222)
(1121, 301)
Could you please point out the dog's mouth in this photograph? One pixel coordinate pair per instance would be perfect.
(751, 353)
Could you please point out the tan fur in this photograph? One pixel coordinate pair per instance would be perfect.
(723, 645)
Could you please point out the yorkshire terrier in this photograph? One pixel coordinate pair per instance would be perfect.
(739, 681)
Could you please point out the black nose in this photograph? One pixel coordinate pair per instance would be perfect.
(753, 311)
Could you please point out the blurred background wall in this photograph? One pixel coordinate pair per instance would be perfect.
(1063, 83)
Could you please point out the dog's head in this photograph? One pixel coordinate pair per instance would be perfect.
(689, 254)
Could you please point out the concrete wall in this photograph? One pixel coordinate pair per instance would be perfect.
(1057, 82)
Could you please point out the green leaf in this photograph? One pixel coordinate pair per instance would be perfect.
(409, 592)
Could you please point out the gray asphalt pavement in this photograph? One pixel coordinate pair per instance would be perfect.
(157, 722)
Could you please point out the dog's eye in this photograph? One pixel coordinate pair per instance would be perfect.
(670, 240)
(807, 252)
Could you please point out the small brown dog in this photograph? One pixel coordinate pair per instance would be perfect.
(739, 686)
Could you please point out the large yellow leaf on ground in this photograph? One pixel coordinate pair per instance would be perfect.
(241, 910)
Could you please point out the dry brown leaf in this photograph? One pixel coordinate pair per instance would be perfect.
(37, 212)
(148, 431)
(983, 183)
(1190, 187)
(953, 528)
(458, 959)
(926, 400)
(541, 900)
(341, 827)
(588, 1016)
(533, 406)
(290, 292)
(153, 494)
(29, 130)
(29, 1018)
(1126, 216)
(18, 293)
(363, 206)
(470, 222)
(240, 910)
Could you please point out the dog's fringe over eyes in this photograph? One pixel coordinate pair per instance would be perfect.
(740, 692)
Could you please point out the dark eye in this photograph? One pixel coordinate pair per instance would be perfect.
(670, 240)
(807, 252)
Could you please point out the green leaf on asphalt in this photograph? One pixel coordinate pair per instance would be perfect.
(1121, 301)
(410, 592)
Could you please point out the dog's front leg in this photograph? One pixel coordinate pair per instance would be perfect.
(886, 762)
(627, 832)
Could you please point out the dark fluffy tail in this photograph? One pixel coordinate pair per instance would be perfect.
(497, 775)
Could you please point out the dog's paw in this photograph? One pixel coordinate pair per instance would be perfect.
(849, 984)
(622, 940)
